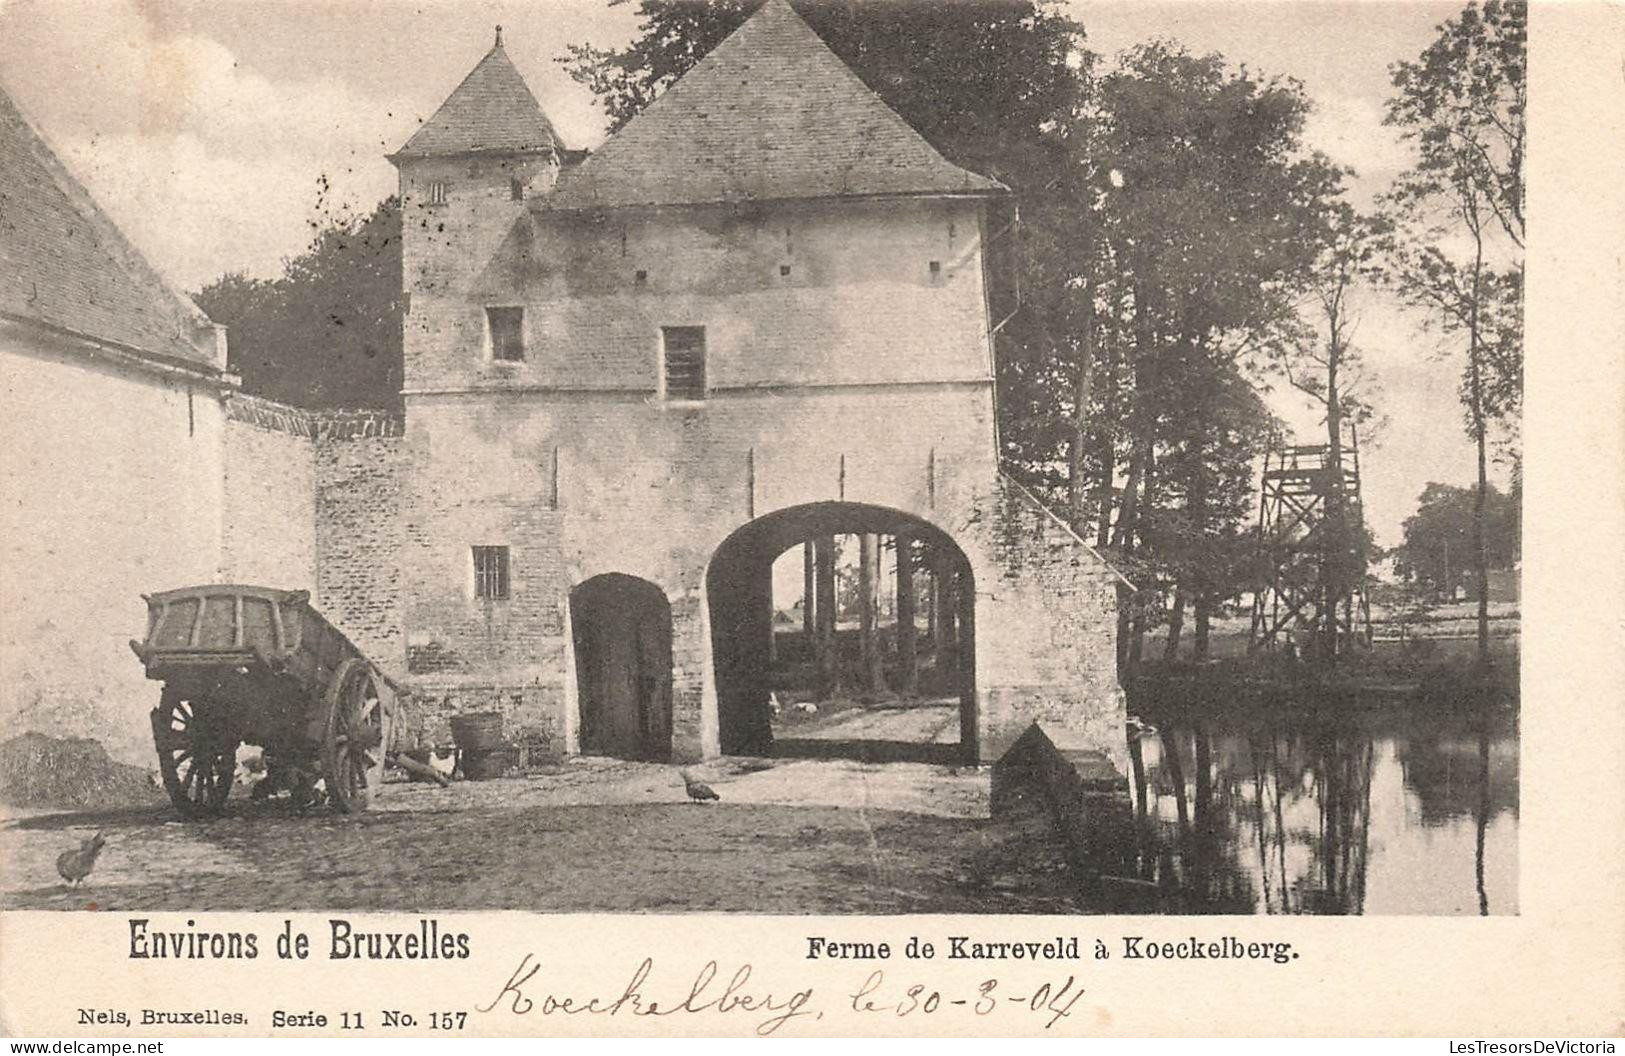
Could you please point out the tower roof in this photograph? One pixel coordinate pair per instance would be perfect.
(492, 111)
(66, 266)
(770, 113)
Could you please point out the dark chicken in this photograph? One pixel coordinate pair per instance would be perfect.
(76, 865)
(698, 791)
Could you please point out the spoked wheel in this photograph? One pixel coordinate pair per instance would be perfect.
(356, 735)
(196, 756)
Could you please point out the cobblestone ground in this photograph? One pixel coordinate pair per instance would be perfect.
(591, 835)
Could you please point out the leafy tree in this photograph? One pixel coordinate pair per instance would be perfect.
(327, 333)
(1458, 252)
(1210, 232)
(1323, 362)
(1439, 551)
(1203, 532)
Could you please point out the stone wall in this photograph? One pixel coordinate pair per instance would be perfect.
(170, 483)
(789, 294)
(847, 361)
(578, 488)
(445, 242)
(1047, 653)
(269, 536)
(112, 478)
(358, 522)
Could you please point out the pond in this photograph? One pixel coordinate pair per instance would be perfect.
(1299, 814)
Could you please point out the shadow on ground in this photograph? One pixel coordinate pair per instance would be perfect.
(867, 751)
(607, 837)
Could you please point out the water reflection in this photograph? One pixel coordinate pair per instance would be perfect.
(1331, 818)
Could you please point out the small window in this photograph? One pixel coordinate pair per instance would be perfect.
(936, 269)
(491, 573)
(516, 189)
(507, 326)
(784, 270)
(685, 362)
(437, 192)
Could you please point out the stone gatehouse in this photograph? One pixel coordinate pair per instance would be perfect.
(756, 318)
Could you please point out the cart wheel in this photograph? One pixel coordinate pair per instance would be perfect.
(356, 735)
(197, 759)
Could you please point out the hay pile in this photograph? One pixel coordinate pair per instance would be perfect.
(73, 772)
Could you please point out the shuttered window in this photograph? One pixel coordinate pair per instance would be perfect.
(507, 333)
(684, 362)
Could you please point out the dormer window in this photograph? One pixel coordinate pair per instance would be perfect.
(437, 192)
(506, 328)
(683, 362)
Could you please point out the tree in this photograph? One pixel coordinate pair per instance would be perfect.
(1210, 231)
(1324, 363)
(1441, 538)
(1203, 533)
(1458, 253)
(327, 333)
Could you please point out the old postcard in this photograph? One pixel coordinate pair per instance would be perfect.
(811, 517)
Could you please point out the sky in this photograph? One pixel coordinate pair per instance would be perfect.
(204, 128)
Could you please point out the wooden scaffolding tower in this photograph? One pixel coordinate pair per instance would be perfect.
(1311, 517)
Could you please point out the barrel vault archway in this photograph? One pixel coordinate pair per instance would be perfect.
(925, 640)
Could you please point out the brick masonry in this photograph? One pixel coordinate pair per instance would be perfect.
(845, 372)
(269, 515)
(849, 370)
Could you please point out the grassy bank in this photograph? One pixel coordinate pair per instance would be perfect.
(1366, 680)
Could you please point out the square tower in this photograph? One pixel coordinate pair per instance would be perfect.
(755, 318)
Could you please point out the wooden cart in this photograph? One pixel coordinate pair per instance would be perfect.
(259, 666)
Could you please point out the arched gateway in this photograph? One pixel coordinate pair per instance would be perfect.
(865, 663)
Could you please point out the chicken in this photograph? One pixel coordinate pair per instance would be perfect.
(76, 865)
(698, 791)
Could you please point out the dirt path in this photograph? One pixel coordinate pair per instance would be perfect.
(798, 836)
(934, 722)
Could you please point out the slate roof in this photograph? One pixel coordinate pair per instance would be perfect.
(770, 113)
(64, 264)
(492, 111)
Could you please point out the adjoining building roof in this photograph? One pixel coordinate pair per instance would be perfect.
(64, 264)
(492, 111)
(770, 113)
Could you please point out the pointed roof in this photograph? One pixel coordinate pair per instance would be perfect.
(770, 113)
(66, 266)
(492, 111)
